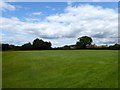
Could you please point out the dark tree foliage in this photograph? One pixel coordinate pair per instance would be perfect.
(9, 47)
(0, 47)
(66, 47)
(39, 44)
(115, 47)
(26, 46)
(47, 45)
(83, 42)
(5, 47)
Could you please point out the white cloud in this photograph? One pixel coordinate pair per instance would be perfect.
(32, 20)
(64, 28)
(87, 19)
(37, 13)
(6, 6)
(32, 16)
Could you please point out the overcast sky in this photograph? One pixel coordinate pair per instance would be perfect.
(59, 22)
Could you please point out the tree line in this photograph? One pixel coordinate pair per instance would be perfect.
(38, 44)
(84, 42)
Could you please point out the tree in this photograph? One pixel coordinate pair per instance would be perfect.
(26, 46)
(47, 45)
(115, 47)
(5, 47)
(39, 44)
(66, 47)
(84, 41)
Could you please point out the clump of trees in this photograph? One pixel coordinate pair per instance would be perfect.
(38, 44)
(115, 47)
(84, 42)
(5, 47)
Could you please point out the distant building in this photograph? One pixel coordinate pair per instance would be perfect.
(72, 46)
(91, 46)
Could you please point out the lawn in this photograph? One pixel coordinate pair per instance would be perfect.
(0, 70)
(60, 69)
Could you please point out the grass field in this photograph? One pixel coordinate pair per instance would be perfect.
(60, 69)
(0, 70)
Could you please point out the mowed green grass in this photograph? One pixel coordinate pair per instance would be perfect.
(60, 69)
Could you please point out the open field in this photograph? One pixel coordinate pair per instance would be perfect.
(0, 70)
(60, 68)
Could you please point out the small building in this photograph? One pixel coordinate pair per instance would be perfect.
(91, 46)
(72, 46)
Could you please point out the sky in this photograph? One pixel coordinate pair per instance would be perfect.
(61, 23)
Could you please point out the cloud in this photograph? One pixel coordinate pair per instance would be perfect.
(76, 21)
(6, 6)
(37, 13)
(87, 20)
(32, 16)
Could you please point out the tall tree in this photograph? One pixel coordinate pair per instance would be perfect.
(5, 47)
(84, 41)
(26, 46)
(39, 44)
